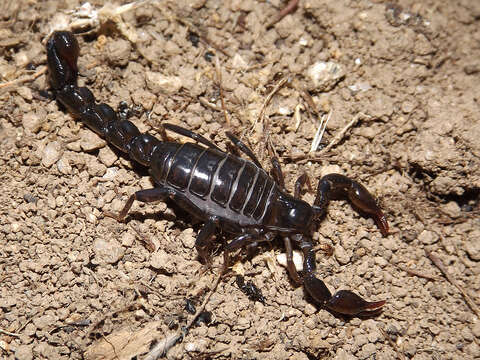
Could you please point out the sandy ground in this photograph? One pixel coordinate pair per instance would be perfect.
(75, 284)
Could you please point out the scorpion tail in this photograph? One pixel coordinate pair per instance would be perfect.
(62, 56)
(342, 302)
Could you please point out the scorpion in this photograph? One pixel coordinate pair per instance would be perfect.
(224, 190)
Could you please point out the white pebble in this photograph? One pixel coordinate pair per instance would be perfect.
(51, 153)
(297, 260)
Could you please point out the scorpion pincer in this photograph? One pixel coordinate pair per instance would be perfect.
(225, 191)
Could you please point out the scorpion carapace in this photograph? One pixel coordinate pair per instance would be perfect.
(224, 190)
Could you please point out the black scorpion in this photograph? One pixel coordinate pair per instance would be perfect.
(224, 190)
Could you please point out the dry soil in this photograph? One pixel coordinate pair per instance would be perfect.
(75, 284)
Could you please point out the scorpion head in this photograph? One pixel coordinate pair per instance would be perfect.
(293, 215)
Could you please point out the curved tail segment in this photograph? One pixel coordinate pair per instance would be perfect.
(62, 56)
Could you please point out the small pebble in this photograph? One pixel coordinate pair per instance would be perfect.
(297, 260)
(107, 251)
(32, 122)
(163, 261)
(380, 261)
(451, 209)
(476, 329)
(342, 255)
(51, 153)
(44, 321)
(107, 156)
(15, 226)
(118, 52)
(128, 239)
(325, 75)
(188, 238)
(367, 351)
(472, 245)
(159, 83)
(473, 349)
(63, 165)
(90, 141)
(428, 237)
(25, 92)
(24, 352)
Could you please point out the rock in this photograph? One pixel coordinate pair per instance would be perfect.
(107, 156)
(473, 349)
(118, 52)
(107, 252)
(360, 340)
(342, 255)
(188, 239)
(128, 239)
(32, 122)
(25, 92)
(367, 351)
(162, 261)
(472, 245)
(45, 321)
(7, 301)
(144, 98)
(90, 141)
(159, 83)
(324, 75)
(451, 209)
(428, 237)
(297, 260)
(24, 352)
(380, 261)
(476, 329)
(51, 153)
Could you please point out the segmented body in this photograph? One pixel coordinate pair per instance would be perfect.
(216, 183)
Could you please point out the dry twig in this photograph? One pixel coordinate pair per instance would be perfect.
(24, 79)
(261, 116)
(219, 79)
(342, 133)
(9, 333)
(290, 8)
(418, 273)
(320, 131)
(438, 263)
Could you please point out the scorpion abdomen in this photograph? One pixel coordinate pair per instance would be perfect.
(216, 182)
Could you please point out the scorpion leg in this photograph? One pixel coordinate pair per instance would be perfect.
(202, 244)
(277, 172)
(336, 187)
(243, 147)
(237, 243)
(343, 301)
(292, 270)
(185, 132)
(302, 180)
(241, 241)
(147, 195)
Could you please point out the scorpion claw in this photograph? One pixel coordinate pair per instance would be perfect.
(349, 303)
(343, 301)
